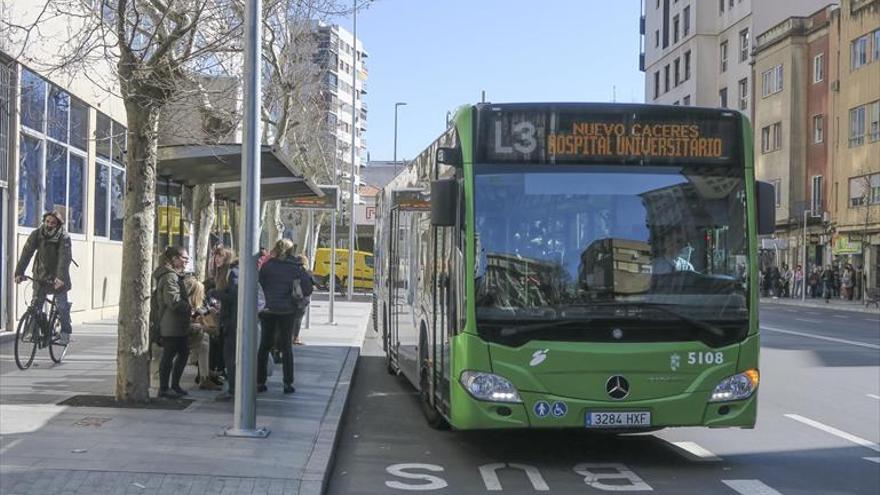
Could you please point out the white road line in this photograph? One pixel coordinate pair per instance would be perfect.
(750, 487)
(834, 431)
(807, 320)
(822, 337)
(874, 396)
(875, 460)
(840, 316)
(696, 452)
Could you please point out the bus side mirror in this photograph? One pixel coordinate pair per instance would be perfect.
(449, 156)
(444, 201)
(766, 203)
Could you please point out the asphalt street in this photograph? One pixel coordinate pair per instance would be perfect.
(817, 433)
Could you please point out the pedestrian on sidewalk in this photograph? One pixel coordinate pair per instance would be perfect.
(798, 281)
(277, 277)
(174, 320)
(226, 293)
(775, 282)
(815, 279)
(306, 300)
(203, 325)
(848, 282)
(787, 277)
(827, 283)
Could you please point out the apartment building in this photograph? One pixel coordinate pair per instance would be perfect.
(699, 52)
(790, 122)
(855, 151)
(340, 56)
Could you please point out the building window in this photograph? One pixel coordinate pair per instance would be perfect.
(657, 39)
(874, 184)
(874, 121)
(666, 79)
(859, 51)
(687, 65)
(722, 97)
(818, 129)
(743, 93)
(857, 126)
(771, 81)
(864, 190)
(819, 68)
(686, 13)
(722, 56)
(686, 101)
(675, 25)
(677, 70)
(720, 7)
(53, 146)
(876, 45)
(771, 138)
(816, 198)
(111, 140)
(777, 190)
(656, 84)
(744, 45)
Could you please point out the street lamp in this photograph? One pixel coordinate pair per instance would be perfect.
(396, 106)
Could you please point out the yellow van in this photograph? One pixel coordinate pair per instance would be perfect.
(363, 269)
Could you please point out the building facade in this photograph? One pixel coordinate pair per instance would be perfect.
(790, 120)
(855, 151)
(341, 57)
(698, 53)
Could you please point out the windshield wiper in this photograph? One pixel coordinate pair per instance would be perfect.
(509, 331)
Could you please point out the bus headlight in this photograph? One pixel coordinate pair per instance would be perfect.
(736, 387)
(489, 387)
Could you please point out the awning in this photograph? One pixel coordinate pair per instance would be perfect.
(270, 189)
(220, 164)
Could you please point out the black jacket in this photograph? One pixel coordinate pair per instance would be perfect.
(53, 257)
(276, 278)
(228, 298)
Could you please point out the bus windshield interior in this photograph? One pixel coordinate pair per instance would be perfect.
(573, 242)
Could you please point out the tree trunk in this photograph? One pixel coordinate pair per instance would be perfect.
(273, 226)
(203, 216)
(132, 354)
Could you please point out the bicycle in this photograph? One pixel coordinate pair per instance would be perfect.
(37, 329)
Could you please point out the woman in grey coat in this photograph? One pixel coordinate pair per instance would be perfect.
(174, 320)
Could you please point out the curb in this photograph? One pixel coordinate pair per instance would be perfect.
(6, 336)
(854, 308)
(317, 471)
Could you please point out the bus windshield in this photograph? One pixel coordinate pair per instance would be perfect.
(584, 241)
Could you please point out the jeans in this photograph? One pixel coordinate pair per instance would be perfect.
(229, 336)
(276, 331)
(63, 307)
(176, 350)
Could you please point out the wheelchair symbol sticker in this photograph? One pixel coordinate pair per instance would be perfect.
(559, 409)
(542, 409)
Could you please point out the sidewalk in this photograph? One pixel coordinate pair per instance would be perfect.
(47, 448)
(819, 303)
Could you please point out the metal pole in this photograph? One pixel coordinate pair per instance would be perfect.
(805, 276)
(332, 282)
(396, 106)
(309, 252)
(245, 415)
(351, 229)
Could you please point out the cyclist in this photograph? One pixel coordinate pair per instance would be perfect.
(51, 272)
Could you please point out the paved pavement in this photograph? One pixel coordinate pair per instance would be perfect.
(819, 303)
(817, 433)
(46, 448)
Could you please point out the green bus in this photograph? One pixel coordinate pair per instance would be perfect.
(576, 265)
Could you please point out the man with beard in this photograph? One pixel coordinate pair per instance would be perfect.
(51, 272)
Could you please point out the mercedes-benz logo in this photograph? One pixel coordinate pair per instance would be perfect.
(617, 387)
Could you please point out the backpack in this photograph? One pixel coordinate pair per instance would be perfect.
(155, 316)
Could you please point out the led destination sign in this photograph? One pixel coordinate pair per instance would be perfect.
(655, 137)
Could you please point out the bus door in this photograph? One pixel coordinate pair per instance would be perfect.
(392, 290)
(444, 284)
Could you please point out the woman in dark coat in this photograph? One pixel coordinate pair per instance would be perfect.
(226, 293)
(277, 276)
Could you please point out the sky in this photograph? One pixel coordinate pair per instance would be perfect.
(437, 55)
